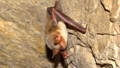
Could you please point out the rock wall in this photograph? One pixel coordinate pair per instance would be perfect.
(22, 34)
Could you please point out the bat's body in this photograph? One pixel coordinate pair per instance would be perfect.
(56, 39)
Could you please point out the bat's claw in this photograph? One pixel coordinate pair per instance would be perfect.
(65, 55)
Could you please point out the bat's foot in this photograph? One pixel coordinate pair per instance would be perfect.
(65, 55)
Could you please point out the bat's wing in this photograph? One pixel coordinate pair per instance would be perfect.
(69, 21)
(49, 41)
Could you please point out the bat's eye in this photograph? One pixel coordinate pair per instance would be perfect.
(55, 44)
(57, 38)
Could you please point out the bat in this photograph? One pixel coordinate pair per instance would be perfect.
(56, 37)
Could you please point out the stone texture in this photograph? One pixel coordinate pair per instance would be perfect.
(107, 4)
(22, 34)
(113, 6)
(115, 12)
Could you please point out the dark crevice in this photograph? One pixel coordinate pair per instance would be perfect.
(104, 6)
(105, 65)
(107, 34)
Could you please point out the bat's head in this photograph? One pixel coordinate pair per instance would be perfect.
(56, 44)
(60, 45)
(53, 44)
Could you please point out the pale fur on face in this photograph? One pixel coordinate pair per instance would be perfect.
(61, 28)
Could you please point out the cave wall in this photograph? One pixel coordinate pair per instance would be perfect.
(22, 33)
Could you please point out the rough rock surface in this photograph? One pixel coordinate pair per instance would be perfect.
(22, 34)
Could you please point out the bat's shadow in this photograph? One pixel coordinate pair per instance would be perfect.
(58, 59)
